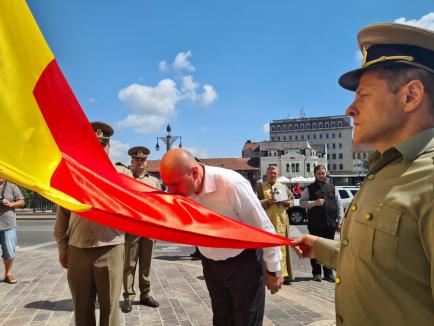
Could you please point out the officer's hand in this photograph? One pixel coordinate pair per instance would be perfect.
(319, 202)
(63, 259)
(274, 283)
(338, 228)
(304, 246)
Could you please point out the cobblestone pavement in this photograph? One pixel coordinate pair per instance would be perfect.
(42, 297)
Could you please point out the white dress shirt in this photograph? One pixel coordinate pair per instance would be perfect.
(229, 193)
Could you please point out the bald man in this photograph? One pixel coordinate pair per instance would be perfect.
(234, 277)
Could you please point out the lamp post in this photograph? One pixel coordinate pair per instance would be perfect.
(168, 140)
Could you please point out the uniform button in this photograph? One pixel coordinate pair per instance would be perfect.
(371, 177)
(368, 216)
(338, 280)
(345, 242)
(353, 207)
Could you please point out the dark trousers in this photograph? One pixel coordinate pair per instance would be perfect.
(237, 289)
(327, 233)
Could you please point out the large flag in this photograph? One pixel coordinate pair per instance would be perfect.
(48, 145)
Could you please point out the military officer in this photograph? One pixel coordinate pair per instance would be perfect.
(93, 255)
(385, 258)
(276, 211)
(138, 249)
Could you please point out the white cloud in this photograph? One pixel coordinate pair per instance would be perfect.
(188, 88)
(160, 99)
(209, 95)
(163, 66)
(266, 128)
(426, 21)
(181, 62)
(119, 151)
(155, 106)
(198, 152)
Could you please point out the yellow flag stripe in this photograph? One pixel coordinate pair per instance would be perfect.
(28, 153)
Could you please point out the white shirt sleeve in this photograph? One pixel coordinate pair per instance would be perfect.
(250, 211)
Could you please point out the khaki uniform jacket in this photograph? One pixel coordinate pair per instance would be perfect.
(71, 229)
(385, 258)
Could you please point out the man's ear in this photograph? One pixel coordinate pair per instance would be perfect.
(412, 95)
(195, 171)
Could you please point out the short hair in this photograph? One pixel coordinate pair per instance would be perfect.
(272, 166)
(319, 167)
(398, 76)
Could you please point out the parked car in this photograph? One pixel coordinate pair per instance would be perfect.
(298, 214)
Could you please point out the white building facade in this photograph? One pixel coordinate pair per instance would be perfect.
(334, 132)
(294, 159)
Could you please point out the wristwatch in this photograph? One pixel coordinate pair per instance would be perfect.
(275, 274)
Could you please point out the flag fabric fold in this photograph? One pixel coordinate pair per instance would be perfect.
(40, 151)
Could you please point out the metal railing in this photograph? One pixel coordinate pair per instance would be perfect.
(37, 203)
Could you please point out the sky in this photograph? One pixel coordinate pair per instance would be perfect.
(217, 71)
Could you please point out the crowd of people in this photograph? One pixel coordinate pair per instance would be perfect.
(384, 259)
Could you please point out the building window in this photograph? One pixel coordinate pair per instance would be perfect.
(333, 135)
(297, 167)
(341, 156)
(290, 127)
(327, 136)
(328, 156)
(314, 136)
(302, 127)
(341, 166)
(340, 135)
(326, 125)
(290, 137)
(278, 128)
(307, 125)
(272, 138)
(284, 127)
(272, 128)
(334, 156)
(278, 138)
(308, 137)
(284, 137)
(296, 137)
(358, 156)
(340, 145)
(334, 145)
(320, 125)
(333, 124)
(320, 136)
(354, 156)
(339, 123)
(334, 166)
(307, 167)
(293, 167)
(314, 125)
(328, 167)
(287, 167)
(302, 137)
(295, 127)
(364, 155)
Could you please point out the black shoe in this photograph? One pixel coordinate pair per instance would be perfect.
(127, 306)
(329, 278)
(317, 278)
(287, 280)
(196, 254)
(149, 301)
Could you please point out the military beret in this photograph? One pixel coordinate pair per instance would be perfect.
(390, 44)
(139, 151)
(102, 130)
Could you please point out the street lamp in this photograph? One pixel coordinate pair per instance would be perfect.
(168, 140)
